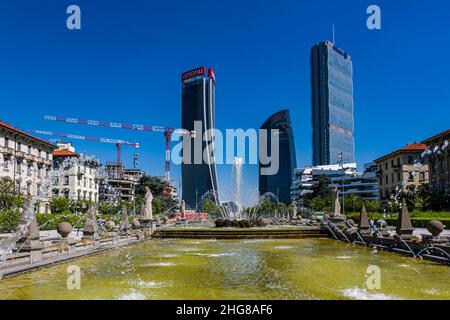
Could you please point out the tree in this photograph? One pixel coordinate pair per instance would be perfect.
(321, 203)
(423, 198)
(10, 196)
(155, 184)
(59, 204)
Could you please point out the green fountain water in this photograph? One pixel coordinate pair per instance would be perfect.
(236, 269)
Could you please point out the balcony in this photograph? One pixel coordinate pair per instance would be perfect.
(31, 157)
(6, 150)
(81, 171)
(20, 154)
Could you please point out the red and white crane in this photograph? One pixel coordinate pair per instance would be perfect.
(118, 143)
(167, 131)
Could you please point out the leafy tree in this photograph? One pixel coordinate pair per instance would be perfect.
(423, 197)
(321, 203)
(10, 196)
(59, 204)
(155, 184)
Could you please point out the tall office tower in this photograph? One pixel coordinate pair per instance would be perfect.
(332, 105)
(280, 183)
(198, 93)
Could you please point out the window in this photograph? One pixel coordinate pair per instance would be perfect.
(387, 179)
(411, 176)
(398, 177)
(6, 142)
(79, 194)
(28, 188)
(29, 170)
(66, 180)
(386, 165)
(422, 176)
(398, 162)
(46, 155)
(29, 149)
(19, 166)
(392, 178)
(6, 164)
(39, 152)
(19, 146)
(410, 160)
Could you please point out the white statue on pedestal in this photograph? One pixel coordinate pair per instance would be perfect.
(146, 211)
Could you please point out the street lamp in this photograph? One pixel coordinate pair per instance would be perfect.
(341, 162)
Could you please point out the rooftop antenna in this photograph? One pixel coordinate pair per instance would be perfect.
(333, 33)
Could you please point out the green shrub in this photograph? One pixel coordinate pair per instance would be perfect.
(9, 220)
(49, 221)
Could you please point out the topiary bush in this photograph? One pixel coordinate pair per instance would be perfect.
(9, 220)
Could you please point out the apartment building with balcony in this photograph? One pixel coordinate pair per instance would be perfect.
(346, 178)
(399, 169)
(438, 157)
(27, 160)
(79, 180)
(121, 182)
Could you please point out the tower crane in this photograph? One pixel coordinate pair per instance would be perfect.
(167, 131)
(118, 143)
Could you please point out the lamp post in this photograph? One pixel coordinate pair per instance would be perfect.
(341, 162)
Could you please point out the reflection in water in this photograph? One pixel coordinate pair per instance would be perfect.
(236, 269)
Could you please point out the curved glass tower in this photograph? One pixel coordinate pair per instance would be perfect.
(332, 105)
(198, 177)
(280, 183)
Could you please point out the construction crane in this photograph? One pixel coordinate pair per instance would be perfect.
(118, 143)
(137, 127)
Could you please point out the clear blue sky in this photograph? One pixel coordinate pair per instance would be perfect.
(125, 64)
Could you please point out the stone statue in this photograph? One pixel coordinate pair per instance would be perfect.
(336, 206)
(183, 208)
(146, 211)
(124, 226)
(90, 230)
(28, 228)
(293, 210)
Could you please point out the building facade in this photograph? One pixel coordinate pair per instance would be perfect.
(438, 158)
(121, 183)
(199, 177)
(344, 177)
(332, 105)
(398, 170)
(280, 183)
(27, 160)
(78, 179)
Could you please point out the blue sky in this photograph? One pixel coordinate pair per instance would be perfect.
(124, 65)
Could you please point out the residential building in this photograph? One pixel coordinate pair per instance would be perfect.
(360, 184)
(120, 183)
(198, 100)
(398, 169)
(332, 105)
(27, 160)
(78, 179)
(438, 158)
(305, 179)
(280, 182)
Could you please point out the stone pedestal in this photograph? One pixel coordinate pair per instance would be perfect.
(363, 225)
(404, 226)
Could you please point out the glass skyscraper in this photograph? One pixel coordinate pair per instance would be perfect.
(280, 183)
(198, 93)
(332, 105)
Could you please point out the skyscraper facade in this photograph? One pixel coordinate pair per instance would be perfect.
(332, 105)
(198, 93)
(280, 183)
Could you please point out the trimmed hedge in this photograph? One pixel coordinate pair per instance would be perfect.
(416, 222)
(9, 220)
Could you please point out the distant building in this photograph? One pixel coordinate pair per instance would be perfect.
(80, 180)
(198, 100)
(346, 178)
(332, 105)
(398, 170)
(121, 183)
(360, 184)
(439, 162)
(27, 160)
(280, 183)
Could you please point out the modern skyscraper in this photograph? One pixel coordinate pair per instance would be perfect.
(280, 183)
(198, 94)
(332, 105)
